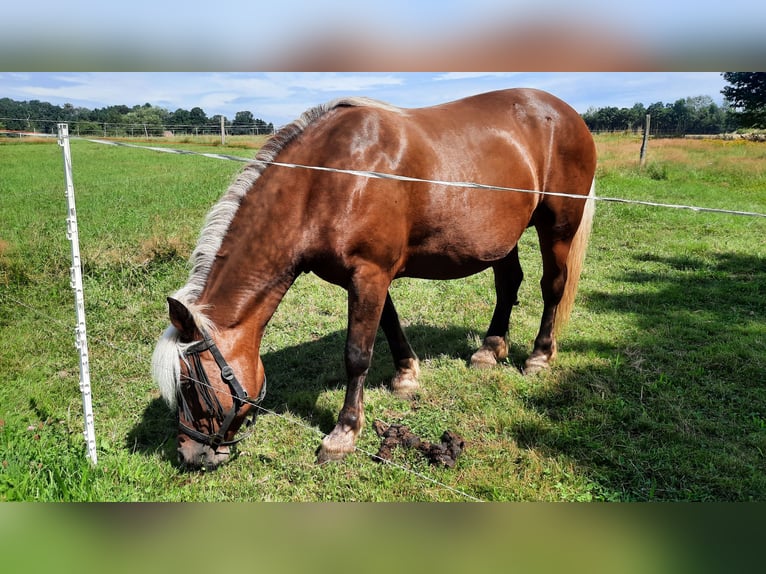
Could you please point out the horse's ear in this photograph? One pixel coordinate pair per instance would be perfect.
(181, 318)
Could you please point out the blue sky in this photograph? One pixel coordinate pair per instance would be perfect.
(279, 97)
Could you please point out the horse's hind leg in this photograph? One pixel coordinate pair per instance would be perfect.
(508, 277)
(405, 382)
(555, 251)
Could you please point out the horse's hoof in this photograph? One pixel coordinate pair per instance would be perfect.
(483, 359)
(324, 455)
(336, 445)
(406, 392)
(405, 383)
(535, 364)
(404, 386)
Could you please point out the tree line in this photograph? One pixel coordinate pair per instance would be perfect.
(694, 115)
(697, 115)
(121, 120)
(744, 107)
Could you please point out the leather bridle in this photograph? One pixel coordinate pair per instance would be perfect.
(198, 378)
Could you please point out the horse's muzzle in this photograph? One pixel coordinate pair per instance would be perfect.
(193, 455)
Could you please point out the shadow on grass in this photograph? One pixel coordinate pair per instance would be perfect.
(297, 376)
(668, 402)
(156, 432)
(300, 373)
(678, 412)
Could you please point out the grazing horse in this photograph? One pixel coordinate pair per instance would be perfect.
(361, 233)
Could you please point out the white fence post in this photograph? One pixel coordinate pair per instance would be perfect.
(81, 340)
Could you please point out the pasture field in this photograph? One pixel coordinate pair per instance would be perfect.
(658, 393)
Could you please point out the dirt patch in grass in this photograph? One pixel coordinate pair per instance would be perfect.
(162, 249)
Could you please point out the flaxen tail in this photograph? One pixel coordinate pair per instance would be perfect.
(575, 261)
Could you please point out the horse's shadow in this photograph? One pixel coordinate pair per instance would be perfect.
(155, 432)
(297, 375)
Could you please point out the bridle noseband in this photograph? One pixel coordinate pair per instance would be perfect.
(198, 377)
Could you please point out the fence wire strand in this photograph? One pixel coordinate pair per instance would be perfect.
(397, 177)
(405, 178)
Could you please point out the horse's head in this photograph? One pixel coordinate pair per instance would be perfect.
(213, 381)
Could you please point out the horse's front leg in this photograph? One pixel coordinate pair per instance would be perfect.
(366, 297)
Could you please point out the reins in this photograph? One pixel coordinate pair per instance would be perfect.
(201, 383)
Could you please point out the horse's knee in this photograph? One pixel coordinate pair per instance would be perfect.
(357, 360)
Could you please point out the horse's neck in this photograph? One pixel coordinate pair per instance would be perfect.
(257, 259)
(248, 298)
(247, 282)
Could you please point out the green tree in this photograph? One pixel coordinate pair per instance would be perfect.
(680, 114)
(637, 117)
(12, 111)
(215, 122)
(42, 116)
(146, 118)
(197, 117)
(109, 118)
(179, 118)
(661, 117)
(243, 122)
(82, 128)
(261, 127)
(705, 116)
(747, 96)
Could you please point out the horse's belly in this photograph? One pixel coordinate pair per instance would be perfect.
(451, 264)
(464, 247)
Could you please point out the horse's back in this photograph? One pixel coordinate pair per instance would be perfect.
(525, 130)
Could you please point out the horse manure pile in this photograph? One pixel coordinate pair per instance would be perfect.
(444, 453)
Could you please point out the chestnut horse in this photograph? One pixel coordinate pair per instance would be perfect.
(361, 233)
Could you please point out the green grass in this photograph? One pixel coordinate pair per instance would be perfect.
(658, 392)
